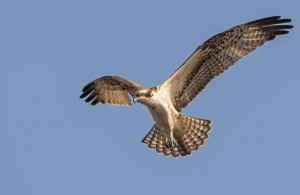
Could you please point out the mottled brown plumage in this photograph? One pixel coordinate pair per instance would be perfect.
(176, 134)
(195, 132)
(110, 90)
(220, 52)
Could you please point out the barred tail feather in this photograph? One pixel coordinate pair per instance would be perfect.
(190, 137)
(149, 136)
(156, 140)
(195, 132)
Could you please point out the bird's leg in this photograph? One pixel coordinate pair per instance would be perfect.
(170, 140)
(173, 141)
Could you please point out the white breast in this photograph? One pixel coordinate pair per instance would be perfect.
(162, 109)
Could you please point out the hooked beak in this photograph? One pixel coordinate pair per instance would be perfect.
(135, 99)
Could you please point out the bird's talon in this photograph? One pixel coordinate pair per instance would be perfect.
(170, 141)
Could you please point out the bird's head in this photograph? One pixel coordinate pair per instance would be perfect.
(145, 96)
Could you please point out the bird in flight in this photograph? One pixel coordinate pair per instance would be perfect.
(174, 133)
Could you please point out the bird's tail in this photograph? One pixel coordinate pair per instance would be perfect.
(189, 137)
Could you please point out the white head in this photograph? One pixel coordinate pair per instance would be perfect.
(145, 96)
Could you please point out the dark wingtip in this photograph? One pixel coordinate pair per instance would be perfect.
(262, 20)
(95, 101)
(272, 26)
(269, 21)
(81, 96)
(280, 21)
(281, 32)
(91, 97)
(87, 86)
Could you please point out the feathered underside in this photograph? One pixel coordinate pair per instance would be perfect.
(193, 135)
(218, 53)
(110, 90)
(209, 60)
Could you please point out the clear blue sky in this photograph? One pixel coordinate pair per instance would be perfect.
(51, 142)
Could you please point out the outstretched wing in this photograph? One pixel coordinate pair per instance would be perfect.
(110, 90)
(218, 53)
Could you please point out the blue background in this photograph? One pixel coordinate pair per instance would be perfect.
(51, 142)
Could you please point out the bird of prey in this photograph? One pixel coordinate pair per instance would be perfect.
(174, 133)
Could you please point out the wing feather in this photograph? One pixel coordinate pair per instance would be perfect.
(217, 54)
(110, 90)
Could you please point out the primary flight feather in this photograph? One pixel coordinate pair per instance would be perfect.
(174, 133)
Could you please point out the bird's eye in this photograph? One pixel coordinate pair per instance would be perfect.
(149, 94)
(138, 95)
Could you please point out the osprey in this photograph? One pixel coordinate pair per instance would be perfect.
(174, 133)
